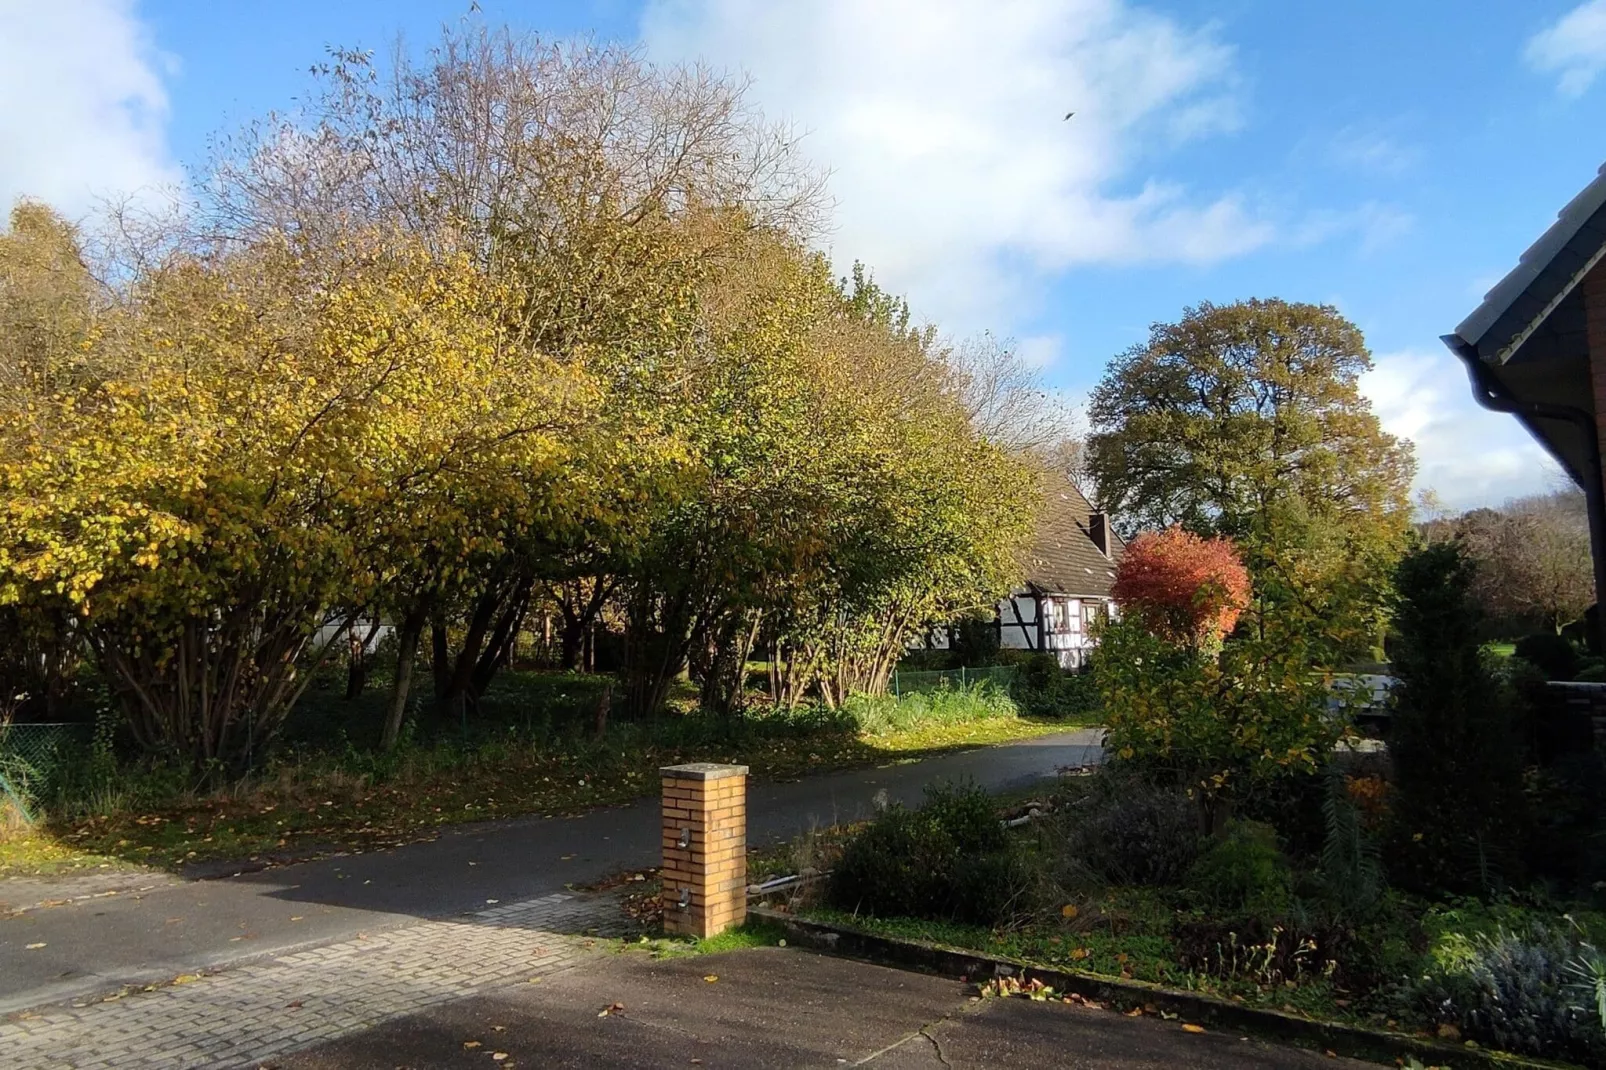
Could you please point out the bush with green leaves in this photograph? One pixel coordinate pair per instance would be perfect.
(949, 860)
(1127, 831)
(1555, 656)
(1523, 992)
(1223, 723)
(1043, 689)
(1459, 812)
(1243, 870)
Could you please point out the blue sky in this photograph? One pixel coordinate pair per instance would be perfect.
(1392, 158)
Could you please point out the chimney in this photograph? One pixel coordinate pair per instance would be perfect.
(1098, 529)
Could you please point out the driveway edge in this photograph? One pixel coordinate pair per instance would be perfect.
(1346, 1040)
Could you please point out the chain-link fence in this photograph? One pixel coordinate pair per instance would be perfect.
(34, 758)
(999, 676)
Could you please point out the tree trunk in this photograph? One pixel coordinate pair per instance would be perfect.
(357, 665)
(604, 706)
(406, 654)
(440, 658)
(499, 649)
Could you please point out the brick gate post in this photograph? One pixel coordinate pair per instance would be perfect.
(705, 847)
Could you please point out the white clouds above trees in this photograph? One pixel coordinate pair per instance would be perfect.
(955, 172)
(83, 111)
(1465, 453)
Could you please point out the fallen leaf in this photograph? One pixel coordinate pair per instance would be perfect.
(612, 1008)
(1448, 1032)
(493, 900)
(1189, 1027)
(35, 947)
(293, 1005)
(186, 978)
(499, 1029)
(1135, 1012)
(295, 917)
(1069, 910)
(470, 1045)
(711, 978)
(499, 1055)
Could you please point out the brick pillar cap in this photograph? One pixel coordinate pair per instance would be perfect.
(703, 771)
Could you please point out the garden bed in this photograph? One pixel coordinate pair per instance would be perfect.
(1113, 894)
(864, 940)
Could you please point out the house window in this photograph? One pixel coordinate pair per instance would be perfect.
(1092, 612)
(1064, 621)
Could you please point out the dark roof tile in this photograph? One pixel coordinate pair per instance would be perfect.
(1063, 558)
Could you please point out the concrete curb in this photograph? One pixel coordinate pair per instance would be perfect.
(1347, 1040)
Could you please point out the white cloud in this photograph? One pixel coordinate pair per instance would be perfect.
(1573, 48)
(955, 174)
(1377, 225)
(1373, 151)
(83, 111)
(1469, 455)
(1040, 351)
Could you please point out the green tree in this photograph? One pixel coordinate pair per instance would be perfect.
(1459, 812)
(1247, 420)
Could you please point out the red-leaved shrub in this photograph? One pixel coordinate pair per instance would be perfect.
(1184, 588)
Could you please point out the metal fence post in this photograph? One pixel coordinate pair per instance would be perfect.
(962, 682)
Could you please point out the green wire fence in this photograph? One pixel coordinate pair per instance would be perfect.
(905, 683)
(35, 757)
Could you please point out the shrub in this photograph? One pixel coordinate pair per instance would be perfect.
(1518, 992)
(1043, 689)
(1187, 589)
(1555, 656)
(1129, 832)
(950, 860)
(1244, 870)
(1221, 724)
(1456, 753)
(975, 642)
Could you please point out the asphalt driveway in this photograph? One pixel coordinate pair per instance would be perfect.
(161, 927)
(774, 1008)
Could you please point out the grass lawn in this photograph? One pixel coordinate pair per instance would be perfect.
(298, 811)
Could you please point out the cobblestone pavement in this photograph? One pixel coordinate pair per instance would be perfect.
(247, 1015)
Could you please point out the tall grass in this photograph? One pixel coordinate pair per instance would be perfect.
(514, 737)
(879, 715)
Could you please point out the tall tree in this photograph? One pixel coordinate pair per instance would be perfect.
(1247, 420)
(1533, 559)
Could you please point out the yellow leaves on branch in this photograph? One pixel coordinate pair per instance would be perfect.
(267, 392)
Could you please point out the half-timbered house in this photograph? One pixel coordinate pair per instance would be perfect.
(1069, 571)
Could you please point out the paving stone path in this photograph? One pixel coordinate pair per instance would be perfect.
(247, 1015)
